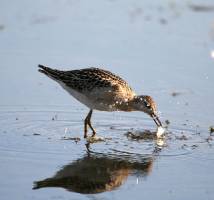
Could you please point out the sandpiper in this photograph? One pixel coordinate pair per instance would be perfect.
(102, 90)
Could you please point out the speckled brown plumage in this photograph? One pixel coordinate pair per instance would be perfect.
(87, 79)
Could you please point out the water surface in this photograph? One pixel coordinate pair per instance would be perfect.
(164, 49)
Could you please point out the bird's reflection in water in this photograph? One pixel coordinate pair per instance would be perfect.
(97, 173)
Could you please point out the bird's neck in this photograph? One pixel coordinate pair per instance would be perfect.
(127, 106)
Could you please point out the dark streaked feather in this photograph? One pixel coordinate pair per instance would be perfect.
(86, 79)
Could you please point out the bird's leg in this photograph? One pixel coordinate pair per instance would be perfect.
(88, 123)
(85, 127)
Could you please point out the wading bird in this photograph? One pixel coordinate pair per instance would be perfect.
(102, 90)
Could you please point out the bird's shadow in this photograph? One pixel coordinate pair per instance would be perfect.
(97, 172)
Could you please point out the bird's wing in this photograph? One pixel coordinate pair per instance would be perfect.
(92, 81)
(99, 82)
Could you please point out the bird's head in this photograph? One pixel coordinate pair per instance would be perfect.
(146, 104)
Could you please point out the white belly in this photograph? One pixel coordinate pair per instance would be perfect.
(79, 96)
(87, 101)
(91, 101)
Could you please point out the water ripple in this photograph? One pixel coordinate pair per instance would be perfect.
(36, 130)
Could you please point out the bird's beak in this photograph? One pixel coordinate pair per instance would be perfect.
(156, 119)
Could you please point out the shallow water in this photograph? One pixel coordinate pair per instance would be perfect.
(161, 48)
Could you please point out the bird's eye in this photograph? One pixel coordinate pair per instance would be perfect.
(148, 105)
